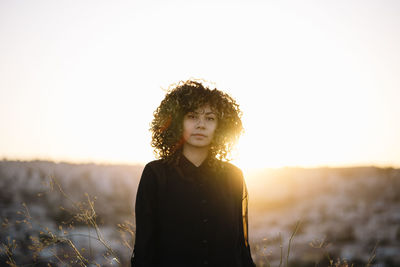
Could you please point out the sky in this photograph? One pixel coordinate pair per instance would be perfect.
(318, 81)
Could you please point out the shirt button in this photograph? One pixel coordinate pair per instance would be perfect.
(205, 241)
(204, 201)
(205, 220)
(205, 262)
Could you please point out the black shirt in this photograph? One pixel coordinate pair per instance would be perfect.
(188, 216)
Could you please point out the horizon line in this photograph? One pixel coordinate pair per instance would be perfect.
(142, 163)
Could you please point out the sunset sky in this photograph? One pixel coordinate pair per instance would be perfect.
(318, 81)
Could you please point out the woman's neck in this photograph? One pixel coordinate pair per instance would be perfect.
(195, 155)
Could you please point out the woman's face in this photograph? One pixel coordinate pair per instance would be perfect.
(199, 127)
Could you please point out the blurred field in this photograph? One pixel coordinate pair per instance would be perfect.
(347, 213)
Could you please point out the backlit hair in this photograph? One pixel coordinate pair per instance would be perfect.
(184, 97)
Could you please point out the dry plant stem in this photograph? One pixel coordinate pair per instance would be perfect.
(323, 245)
(58, 258)
(56, 239)
(267, 261)
(296, 228)
(281, 247)
(126, 227)
(9, 253)
(373, 254)
(89, 218)
(98, 232)
(27, 214)
(268, 264)
(90, 243)
(82, 259)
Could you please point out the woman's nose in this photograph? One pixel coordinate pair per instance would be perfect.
(200, 122)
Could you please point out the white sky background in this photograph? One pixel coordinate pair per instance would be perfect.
(318, 81)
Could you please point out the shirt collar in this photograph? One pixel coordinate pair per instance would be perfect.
(190, 170)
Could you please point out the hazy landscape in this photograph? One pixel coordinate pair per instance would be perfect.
(74, 214)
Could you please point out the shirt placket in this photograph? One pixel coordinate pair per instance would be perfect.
(204, 220)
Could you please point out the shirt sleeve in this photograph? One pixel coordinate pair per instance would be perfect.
(146, 218)
(247, 260)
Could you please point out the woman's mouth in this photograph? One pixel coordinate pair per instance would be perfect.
(199, 135)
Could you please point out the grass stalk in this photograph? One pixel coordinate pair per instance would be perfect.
(296, 228)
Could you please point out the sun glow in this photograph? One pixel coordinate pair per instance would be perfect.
(313, 91)
(303, 127)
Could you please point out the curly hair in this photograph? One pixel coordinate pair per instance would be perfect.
(184, 97)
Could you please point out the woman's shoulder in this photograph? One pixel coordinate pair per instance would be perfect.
(155, 163)
(153, 172)
(230, 168)
(156, 166)
(233, 175)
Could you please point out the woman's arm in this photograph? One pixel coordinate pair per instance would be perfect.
(144, 252)
(247, 260)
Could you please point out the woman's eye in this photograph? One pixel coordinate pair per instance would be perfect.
(210, 118)
(191, 116)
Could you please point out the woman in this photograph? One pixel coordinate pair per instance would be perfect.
(191, 205)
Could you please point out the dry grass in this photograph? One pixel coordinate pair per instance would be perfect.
(60, 249)
(58, 244)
